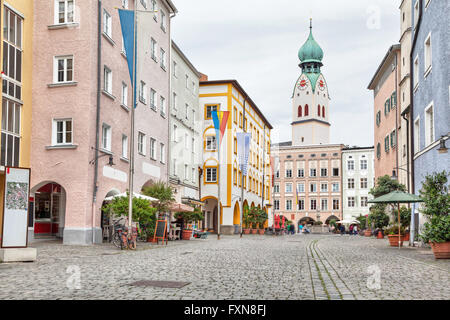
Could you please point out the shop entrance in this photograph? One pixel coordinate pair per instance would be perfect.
(49, 210)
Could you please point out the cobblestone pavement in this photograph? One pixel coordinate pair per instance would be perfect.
(296, 267)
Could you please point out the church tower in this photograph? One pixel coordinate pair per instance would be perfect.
(310, 100)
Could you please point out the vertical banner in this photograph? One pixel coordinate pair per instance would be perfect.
(220, 119)
(15, 208)
(243, 149)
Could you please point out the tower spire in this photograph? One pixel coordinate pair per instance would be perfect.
(310, 24)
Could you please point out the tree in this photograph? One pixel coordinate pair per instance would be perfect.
(161, 191)
(384, 186)
(378, 218)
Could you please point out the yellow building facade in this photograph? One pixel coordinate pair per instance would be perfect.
(16, 56)
(228, 95)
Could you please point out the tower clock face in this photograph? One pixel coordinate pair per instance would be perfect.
(303, 84)
(321, 85)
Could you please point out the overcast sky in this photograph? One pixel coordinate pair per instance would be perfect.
(256, 42)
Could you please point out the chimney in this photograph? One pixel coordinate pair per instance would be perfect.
(203, 77)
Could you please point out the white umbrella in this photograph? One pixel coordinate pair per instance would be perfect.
(348, 221)
(135, 195)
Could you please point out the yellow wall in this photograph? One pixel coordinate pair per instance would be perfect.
(24, 8)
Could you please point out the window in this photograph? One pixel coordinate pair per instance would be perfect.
(141, 143)
(175, 134)
(306, 110)
(107, 24)
(276, 204)
(12, 54)
(186, 172)
(163, 21)
(186, 113)
(312, 172)
(312, 187)
(143, 92)
(300, 173)
(416, 72)
(363, 183)
(209, 110)
(107, 78)
(154, 9)
(335, 172)
(211, 175)
(299, 111)
(153, 47)
(429, 125)
(323, 172)
(378, 119)
(162, 106)
(65, 12)
(394, 100)
(125, 4)
(363, 164)
(153, 148)
(63, 69)
(193, 174)
(288, 173)
(288, 188)
(417, 135)
(416, 13)
(62, 131)
(351, 183)
(124, 146)
(106, 137)
(144, 3)
(335, 204)
(324, 204)
(363, 201)
(153, 99)
(211, 143)
(193, 145)
(351, 202)
(351, 165)
(393, 139)
(324, 187)
(187, 81)
(186, 141)
(288, 205)
(301, 204)
(124, 94)
(163, 59)
(276, 188)
(175, 69)
(313, 204)
(174, 101)
(386, 143)
(301, 187)
(387, 107)
(378, 151)
(335, 186)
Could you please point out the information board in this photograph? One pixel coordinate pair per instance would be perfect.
(15, 208)
(160, 231)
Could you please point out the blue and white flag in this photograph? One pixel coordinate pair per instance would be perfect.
(243, 148)
(127, 20)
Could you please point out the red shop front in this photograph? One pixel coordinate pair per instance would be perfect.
(47, 205)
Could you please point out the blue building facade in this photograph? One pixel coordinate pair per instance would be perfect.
(430, 70)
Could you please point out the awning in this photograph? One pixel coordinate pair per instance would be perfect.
(180, 207)
(135, 195)
(193, 201)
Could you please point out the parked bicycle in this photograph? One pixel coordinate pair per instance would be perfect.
(120, 238)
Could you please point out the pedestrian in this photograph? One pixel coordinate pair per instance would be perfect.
(342, 229)
(355, 230)
(300, 228)
(350, 229)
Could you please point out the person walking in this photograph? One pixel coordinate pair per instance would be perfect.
(300, 228)
(355, 230)
(342, 228)
(350, 229)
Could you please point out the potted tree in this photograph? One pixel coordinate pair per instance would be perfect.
(436, 230)
(262, 217)
(246, 221)
(393, 236)
(189, 218)
(379, 219)
(253, 214)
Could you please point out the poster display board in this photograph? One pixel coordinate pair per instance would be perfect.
(160, 231)
(15, 208)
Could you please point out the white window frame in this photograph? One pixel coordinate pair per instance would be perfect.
(324, 189)
(288, 187)
(351, 202)
(153, 99)
(428, 55)
(365, 166)
(124, 94)
(322, 206)
(351, 165)
(106, 144)
(64, 132)
(162, 155)
(55, 68)
(276, 188)
(211, 143)
(175, 133)
(416, 72)
(107, 79)
(163, 59)
(301, 187)
(143, 92)
(107, 23)
(429, 132)
(66, 12)
(417, 135)
(416, 10)
(162, 105)
(210, 174)
(363, 183)
(153, 49)
(141, 143)
(335, 187)
(288, 205)
(153, 148)
(163, 21)
(311, 201)
(124, 146)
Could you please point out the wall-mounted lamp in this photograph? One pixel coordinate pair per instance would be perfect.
(442, 147)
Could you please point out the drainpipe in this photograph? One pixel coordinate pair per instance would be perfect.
(169, 98)
(411, 113)
(97, 124)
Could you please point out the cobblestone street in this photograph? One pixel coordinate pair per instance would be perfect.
(293, 267)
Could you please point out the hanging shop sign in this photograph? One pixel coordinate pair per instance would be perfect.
(15, 208)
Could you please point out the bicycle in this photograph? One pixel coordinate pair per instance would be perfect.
(121, 240)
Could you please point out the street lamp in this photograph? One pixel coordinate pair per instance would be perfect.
(442, 147)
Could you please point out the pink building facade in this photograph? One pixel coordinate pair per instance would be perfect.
(82, 97)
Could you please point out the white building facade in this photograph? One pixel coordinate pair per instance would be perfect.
(186, 126)
(358, 177)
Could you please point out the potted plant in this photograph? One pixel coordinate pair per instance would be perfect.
(379, 220)
(262, 218)
(190, 217)
(246, 221)
(393, 236)
(253, 214)
(436, 230)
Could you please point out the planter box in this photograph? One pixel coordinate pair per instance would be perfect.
(441, 250)
(246, 231)
(261, 231)
(406, 237)
(380, 235)
(393, 240)
(187, 234)
(254, 231)
(367, 233)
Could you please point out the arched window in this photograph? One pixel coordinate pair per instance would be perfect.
(318, 110)
(306, 110)
(323, 111)
(299, 111)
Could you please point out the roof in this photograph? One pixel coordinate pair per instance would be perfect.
(185, 59)
(310, 51)
(393, 49)
(238, 86)
(171, 6)
(357, 148)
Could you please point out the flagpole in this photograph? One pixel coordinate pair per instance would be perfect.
(131, 173)
(218, 191)
(242, 174)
